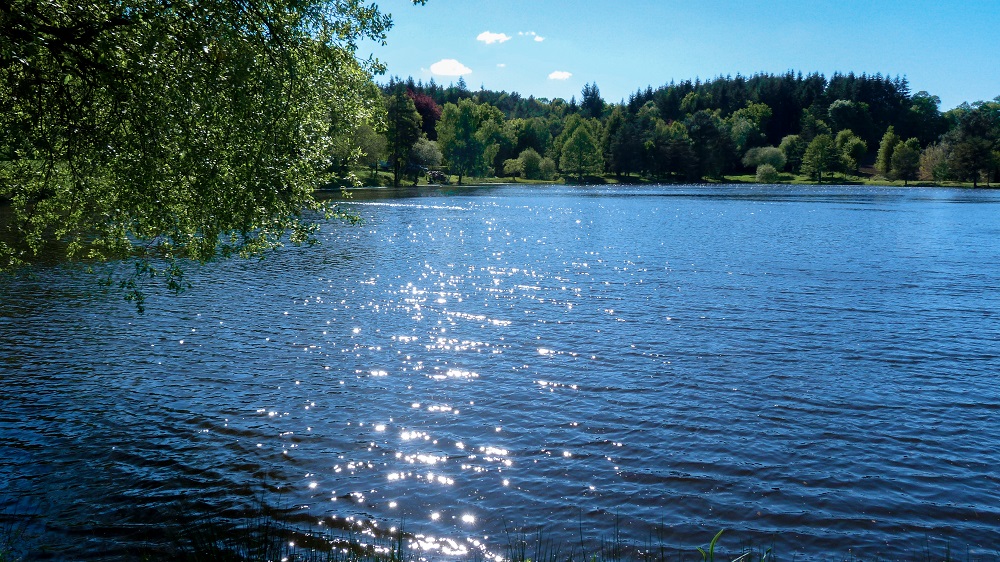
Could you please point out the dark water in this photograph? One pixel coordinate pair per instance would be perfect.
(816, 363)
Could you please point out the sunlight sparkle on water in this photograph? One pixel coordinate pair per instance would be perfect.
(494, 451)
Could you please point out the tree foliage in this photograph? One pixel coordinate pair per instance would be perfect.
(592, 105)
(580, 151)
(906, 160)
(883, 161)
(766, 173)
(970, 158)
(934, 163)
(770, 155)
(429, 110)
(182, 129)
(975, 141)
(821, 157)
(852, 150)
(691, 130)
(371, 146)
(424, 154)
(468, 133)
(403, 131)
(794, 148)
(711, 143)
(530, 164)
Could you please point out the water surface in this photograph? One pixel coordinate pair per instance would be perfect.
(816, 363)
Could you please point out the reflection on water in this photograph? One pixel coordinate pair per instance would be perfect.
(813, 362)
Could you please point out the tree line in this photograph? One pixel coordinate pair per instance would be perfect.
(690, 131)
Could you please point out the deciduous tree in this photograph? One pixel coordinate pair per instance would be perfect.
(547, 169)
(467, 133)
(530, 162)
(512, 167)
(172, 130)
(934, 163)
(852, 150)
(906, 160)
(794, 148)
(425, 153)
(429, 112)
(821, 157)
(765, 155)
(883, 161)
(970, 158)
(371, 146)
(581, 153)
(924, 117)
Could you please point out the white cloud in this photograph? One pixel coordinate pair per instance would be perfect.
(489, 37)
(539, 38)
(502, 65)
(450, 67)
(560, 75)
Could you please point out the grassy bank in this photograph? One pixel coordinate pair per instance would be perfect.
(384, 179)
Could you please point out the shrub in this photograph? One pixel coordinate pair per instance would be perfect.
(765, 155)
(437, 176)
(512, 167)
(530, 163)
(766, 174)
(547, 169)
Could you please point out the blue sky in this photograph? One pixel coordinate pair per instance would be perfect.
(551, 48)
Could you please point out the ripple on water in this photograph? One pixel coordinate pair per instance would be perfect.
(674, 359)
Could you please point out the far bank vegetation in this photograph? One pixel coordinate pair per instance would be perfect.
(764, 128)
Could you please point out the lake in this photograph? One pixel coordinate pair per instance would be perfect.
(815, 366)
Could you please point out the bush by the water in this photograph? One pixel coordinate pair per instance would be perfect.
(766, 174)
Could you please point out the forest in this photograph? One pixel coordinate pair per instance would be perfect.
(849, 126)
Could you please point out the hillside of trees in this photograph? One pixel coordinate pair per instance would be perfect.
(854, 125)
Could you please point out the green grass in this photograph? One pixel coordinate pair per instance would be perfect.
(844, 179)
(384, 179)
